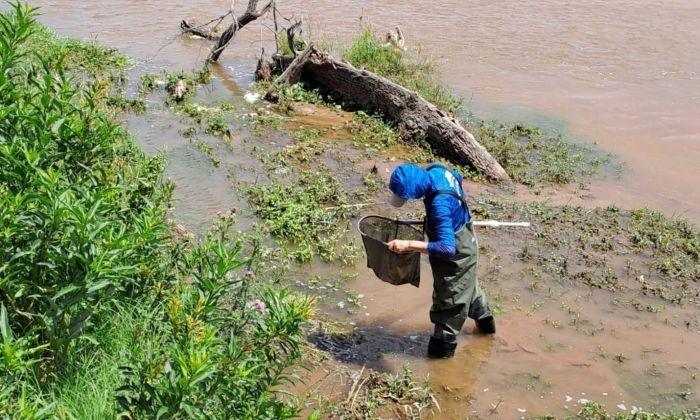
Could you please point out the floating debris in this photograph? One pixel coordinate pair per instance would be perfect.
(251, 97)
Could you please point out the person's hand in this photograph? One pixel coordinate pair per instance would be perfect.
(399, 246)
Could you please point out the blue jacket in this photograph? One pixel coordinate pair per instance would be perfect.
(445, 213)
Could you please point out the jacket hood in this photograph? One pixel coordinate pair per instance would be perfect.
(409, 181)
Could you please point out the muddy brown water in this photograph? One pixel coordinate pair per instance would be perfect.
(624, 74)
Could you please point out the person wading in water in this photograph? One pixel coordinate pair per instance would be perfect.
(452, 249)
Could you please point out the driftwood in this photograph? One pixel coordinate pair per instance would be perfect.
(251, 14)
(292, 75)
(414, 116)
(263, 71)
(198, 30)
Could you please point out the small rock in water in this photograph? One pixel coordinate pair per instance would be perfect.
(605, 394)
(583, 401)
(522, 410)
(366, 313)
(622, 407)
(568, 398)
(413, 337)
(341, 305)
(486, 390)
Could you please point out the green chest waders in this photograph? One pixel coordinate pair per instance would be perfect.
(456, 291)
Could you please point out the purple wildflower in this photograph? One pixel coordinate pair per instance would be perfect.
(278, 250)
(249, 273)
(260, 306)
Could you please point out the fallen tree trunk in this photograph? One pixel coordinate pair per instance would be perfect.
(414, 116)
(291, 75)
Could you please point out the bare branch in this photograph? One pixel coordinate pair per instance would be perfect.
(251, 14)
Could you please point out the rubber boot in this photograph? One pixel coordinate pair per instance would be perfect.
(487, 324)
(438, 349)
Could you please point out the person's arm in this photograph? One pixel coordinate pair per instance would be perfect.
(441, 222)
(401, 246)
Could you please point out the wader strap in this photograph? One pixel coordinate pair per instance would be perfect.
(453, 194)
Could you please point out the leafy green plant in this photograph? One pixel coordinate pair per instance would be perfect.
(92, 276)
(218, 360)
(369, 51)
(308, 213)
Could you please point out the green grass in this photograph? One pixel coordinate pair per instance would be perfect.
(597, 411)
(369, 52)
(372, 131)
(673, 242)
(532, 157)
(79, 57)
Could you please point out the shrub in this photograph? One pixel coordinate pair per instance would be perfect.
(92, 277)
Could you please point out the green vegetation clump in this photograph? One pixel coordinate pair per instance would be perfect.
(596, 411)
(372, 131)
(80, 58)
(382, 393)
(207, 150)
(369, 52)
(576, 244)
(169, 81)
(105, 310)
(308, 213)
(531, 157)
(674, 243)
(120, 103)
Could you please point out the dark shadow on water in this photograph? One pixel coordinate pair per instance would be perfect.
(368, 344)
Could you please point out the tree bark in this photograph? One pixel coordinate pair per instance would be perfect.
(414, 116)
(190, 28)
(291, 75)
(263, 71)
(251, 14)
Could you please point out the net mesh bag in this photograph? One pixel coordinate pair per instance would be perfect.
(389, 266)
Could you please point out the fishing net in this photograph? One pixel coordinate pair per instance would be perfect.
(389, 266)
